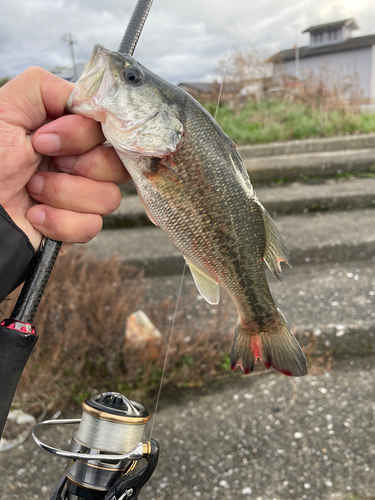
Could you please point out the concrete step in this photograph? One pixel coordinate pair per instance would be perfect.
(332, 304)
(300, 166)
(362, 141)
(295, 198)
(311, 238)
(296, 160)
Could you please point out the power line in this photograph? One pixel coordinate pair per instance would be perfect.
(44, 57)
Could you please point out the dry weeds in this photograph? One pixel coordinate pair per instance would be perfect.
(323, 91)
(81, 322)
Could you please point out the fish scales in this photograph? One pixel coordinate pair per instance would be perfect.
(195, 187)
(225, 234)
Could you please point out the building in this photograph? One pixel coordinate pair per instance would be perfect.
(336, 57)
(231, 93)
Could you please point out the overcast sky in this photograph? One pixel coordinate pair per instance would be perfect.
(183, 40)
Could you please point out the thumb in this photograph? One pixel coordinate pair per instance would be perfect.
(29, 98)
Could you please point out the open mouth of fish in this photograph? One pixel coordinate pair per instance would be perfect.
(91, 88)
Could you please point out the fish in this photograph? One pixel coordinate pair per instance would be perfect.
(195, 187)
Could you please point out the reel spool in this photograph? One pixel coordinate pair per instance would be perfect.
(110, 423)
(105, 448)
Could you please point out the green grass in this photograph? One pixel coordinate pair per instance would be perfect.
(275, 120)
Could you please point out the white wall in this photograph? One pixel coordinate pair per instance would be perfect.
(346, 68)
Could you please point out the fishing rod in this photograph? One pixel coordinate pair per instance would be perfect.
(109, 421)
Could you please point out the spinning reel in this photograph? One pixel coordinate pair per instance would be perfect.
(106, 451)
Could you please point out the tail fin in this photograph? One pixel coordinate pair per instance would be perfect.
(276, 346)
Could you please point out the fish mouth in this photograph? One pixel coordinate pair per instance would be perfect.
(92, 86)
(94, 83)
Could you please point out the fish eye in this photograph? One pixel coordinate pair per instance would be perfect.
(132, 74)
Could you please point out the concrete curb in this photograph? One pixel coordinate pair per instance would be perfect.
(296, 198)
(350, 339)
(294, 167)
(363, 141)
(311, 238)
(328, 306)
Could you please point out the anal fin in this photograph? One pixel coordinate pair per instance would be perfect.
(208, 288)
(276, 250)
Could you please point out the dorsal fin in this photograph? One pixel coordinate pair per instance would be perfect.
(208, 288)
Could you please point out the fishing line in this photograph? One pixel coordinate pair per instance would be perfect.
(166, 356)
(226, 62)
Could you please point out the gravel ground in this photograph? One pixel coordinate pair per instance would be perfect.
(272, 438)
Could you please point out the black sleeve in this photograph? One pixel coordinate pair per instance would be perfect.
(16, 253)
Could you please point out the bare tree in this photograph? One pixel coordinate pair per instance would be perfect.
(245, 65)
(248, 70)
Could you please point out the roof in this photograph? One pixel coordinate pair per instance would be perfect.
(199, 86)
(208, 87)
(349, 23)
(359, 42)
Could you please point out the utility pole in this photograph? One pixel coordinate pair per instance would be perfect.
(296, 51)
(297, 62)
(67, 39)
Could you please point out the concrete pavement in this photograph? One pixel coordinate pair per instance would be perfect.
(259, 437)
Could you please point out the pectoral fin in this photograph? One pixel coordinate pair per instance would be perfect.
(207, 287)
(160, 175)
(276, 250)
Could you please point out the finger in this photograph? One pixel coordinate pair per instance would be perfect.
(75, 193)
(43, 94)
(100, 164)
(68, 135)
(64, 248)
(64, 225)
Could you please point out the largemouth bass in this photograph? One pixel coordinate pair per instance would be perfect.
(194, 185)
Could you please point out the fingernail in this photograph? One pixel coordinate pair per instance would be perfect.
(35, 184)
(36, 215)
(65, 162)
(47, 144)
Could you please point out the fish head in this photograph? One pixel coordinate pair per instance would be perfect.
(138, 112)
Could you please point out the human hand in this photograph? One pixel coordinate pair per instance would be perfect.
(61, 164)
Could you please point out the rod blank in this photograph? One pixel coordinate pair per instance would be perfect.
(131, 36)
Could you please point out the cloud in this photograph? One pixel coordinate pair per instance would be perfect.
(182, 40)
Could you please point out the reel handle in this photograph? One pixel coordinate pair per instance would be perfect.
(133, 485)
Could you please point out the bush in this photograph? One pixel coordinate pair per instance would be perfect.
(278, 120)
